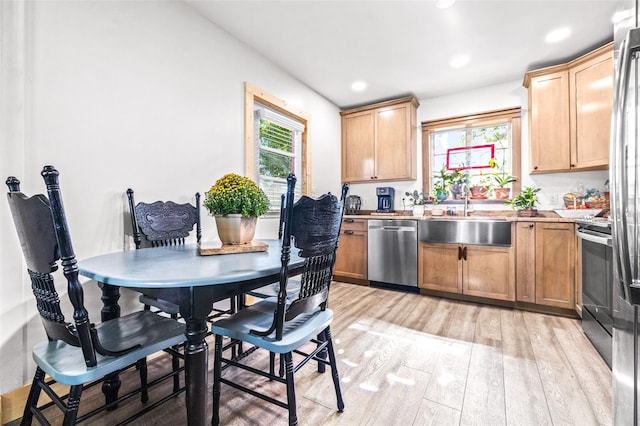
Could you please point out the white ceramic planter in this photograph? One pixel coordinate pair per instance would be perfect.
(235, 228)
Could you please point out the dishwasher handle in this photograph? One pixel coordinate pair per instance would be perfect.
(392, 228)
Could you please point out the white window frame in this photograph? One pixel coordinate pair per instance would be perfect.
(255, 95)
(485, 119)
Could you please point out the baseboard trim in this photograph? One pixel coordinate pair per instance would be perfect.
(12, 404)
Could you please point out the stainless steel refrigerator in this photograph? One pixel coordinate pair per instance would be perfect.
(625, 214)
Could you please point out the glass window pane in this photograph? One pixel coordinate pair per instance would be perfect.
(275, 136)
(274, 165)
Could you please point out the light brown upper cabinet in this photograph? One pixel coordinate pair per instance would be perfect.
(570, 113)
(379, 141)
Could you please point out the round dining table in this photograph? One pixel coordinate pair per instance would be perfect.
(180, 275)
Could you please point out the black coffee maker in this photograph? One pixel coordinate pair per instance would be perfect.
(385, 199)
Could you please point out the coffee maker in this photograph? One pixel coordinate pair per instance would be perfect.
(385, 199)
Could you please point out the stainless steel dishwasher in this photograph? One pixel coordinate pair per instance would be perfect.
(393, 252)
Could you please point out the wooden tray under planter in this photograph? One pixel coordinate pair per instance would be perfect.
(214, 248)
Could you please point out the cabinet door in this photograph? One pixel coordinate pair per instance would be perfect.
(358, 156)
(525, 262)
(394, 143)
(488, 271)
(439, 267)
(591, 102)
(351, 258)
(549, 122)
(555, 264)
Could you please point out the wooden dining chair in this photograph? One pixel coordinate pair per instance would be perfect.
(281, 325)
(81, 353)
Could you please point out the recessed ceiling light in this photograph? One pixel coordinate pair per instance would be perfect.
(459, 61)
(358, 86)
(557, 35)
(443, 4)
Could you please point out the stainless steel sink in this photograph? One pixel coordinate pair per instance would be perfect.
(485, 232)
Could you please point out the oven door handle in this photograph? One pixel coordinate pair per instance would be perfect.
(595, 238)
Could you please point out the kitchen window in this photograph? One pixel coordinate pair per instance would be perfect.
(276, 144)
(483, 146)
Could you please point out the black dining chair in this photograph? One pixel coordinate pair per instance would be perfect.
(281, 325)
(293, 286)
(81, 353)
(165, 223)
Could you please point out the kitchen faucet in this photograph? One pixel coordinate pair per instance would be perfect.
(465, 197)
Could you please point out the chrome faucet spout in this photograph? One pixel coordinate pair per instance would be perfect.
(465, 197)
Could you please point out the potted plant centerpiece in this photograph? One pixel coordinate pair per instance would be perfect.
(525, 203)
(236, 202)
(418, 200)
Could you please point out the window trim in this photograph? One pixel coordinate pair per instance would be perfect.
(253, 94)
(512, 115)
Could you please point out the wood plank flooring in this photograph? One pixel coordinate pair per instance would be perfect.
(406, 359)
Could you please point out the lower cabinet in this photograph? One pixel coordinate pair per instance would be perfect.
(545, 263)
(351, 258)
(484, 271)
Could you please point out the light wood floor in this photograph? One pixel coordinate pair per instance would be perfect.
(406, 359)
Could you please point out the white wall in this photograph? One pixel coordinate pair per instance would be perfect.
(505, 95)
(148, 95)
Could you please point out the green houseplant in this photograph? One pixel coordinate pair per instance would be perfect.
(418, 200)
(236, 202)
(525, 203)
(501, 179)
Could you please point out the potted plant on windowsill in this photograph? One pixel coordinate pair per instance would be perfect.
(480, 187)
(502, 191)
(440, 185)
(236, 202)
(525, 203)
(501, 179)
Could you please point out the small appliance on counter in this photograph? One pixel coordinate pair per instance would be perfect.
(353, 204)
(386, 196)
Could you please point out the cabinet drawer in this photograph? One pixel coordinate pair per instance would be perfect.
(354, 224)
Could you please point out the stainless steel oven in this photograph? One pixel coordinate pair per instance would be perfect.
(597, 284)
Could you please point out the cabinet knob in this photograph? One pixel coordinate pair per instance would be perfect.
(348, 232)
(531, 225)
(348, 220)
(572, 165)
(535, 167)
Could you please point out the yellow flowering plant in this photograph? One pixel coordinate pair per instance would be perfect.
(235, 194)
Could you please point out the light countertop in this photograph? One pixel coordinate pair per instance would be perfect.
(543, 216)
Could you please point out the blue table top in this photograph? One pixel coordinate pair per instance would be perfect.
(182, 266)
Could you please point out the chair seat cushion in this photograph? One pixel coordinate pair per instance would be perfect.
(65, 363)
(260, 316)
(271, 290)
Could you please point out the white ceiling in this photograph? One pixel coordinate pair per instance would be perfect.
(404, 47)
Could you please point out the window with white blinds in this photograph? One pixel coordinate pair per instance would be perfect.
(278, 140)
